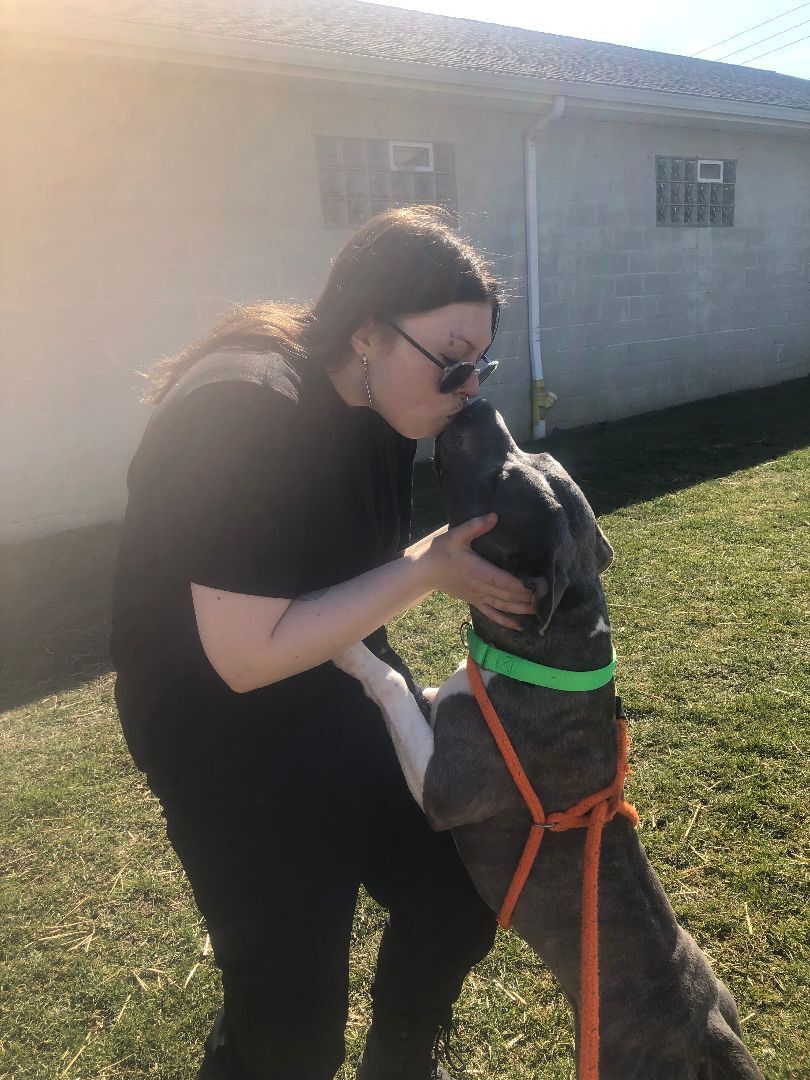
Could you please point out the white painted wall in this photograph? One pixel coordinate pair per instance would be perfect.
(144, 201)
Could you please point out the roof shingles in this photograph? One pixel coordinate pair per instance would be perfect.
(373, 31)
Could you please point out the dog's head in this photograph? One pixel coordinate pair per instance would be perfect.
(546, 529)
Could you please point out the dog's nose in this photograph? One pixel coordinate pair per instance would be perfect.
(466, 422)
(470, 410)
(473, 414)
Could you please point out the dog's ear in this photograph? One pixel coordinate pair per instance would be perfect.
(545, 605)
(547, 590)
(544, 569)
(604, 552)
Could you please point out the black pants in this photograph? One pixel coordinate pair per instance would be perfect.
(275, 856)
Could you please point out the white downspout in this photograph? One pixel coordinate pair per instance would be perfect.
(541, 399)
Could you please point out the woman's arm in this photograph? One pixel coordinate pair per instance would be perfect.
(252, 641)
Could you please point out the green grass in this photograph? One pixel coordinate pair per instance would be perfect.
(103, 967)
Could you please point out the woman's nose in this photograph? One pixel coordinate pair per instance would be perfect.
(471, 386)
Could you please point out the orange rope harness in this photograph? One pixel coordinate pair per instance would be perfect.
(591, 813)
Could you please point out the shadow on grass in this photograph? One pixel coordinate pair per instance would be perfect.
(638, 459)
(55, 615)
(54, 620)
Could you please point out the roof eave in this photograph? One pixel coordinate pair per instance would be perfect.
(516, 92)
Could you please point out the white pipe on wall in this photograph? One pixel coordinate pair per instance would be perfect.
(541, 400)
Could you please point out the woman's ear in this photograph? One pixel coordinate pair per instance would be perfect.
(361, 339)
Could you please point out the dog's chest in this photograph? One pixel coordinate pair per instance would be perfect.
(458, 683)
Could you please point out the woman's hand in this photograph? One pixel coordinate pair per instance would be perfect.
(455, 569)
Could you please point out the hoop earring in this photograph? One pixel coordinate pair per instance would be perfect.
(368, 388)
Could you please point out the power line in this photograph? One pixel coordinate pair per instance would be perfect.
(753, 44)
(751, 59)
(750, 28)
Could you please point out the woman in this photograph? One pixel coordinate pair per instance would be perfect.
(268, 504)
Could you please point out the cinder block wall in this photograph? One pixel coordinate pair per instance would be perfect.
(144, 200)
(638, 317)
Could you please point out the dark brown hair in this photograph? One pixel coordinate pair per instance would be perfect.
(401, 262)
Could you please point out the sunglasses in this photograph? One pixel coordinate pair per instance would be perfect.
(454, 375)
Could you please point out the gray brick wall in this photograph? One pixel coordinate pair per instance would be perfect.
(144, 201)
(636, 317)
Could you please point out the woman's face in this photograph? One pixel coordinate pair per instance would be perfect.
(405, 384)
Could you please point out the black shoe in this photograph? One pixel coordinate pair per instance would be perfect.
(404, 1048)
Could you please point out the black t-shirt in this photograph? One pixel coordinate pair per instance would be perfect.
(253, 476)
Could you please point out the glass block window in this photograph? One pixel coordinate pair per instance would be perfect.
(361, 177)
(696, 192)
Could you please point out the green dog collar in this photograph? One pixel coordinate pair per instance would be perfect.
(515, 667)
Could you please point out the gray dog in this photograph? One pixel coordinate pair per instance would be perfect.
(663, 1013)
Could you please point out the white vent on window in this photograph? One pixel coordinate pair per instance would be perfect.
(411, 156)
(710, 171)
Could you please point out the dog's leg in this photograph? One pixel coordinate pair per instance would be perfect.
(410, 732)
(727, 1052)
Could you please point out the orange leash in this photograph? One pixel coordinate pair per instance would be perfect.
(591, 813)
